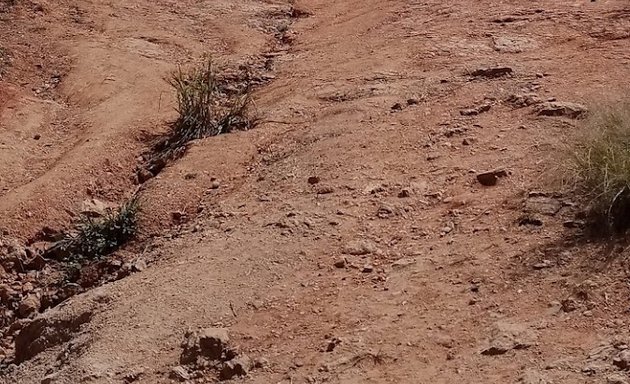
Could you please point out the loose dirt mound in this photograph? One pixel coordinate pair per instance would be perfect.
(388, 220)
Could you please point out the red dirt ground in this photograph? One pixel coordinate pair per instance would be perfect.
(367, 96)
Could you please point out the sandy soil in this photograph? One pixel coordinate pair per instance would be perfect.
(398, 266)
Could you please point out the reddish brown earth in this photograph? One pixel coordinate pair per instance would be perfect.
(448, 285)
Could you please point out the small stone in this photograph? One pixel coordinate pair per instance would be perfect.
(533, 377)
(542, 205)
(261, 362)
(524, 100)
(528, 220)
(213, 341)
(324, 189)
(492, 72)
(6, 293)
(385, 211)
(139, 266)
(332, 344)
(447, 229)
(359, 248)
(622, 360)
(404, 193)
(313, 180)
(412, 101)
(179, 373)
(37, 136)
(94, 208)
(562, 109)
(491, 178)
(37, 263)
(512, 44)
(29, 306)
(616, 378)
(401, 263)
(28, 287)
(505, 337)
(340, 263)
(543, 264)
(368, 268)
(210, 343)
(215, 185)
(238, 366)
(397, 107)
(475, 110)
(569, 305)
(50, 379)
(133, 376)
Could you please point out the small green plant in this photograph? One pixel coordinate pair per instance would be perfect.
(600, 167)
(207, 106)
(95, 238)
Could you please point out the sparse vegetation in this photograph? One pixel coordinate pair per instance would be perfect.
(600, 167)
(95, 238)
(207, 106)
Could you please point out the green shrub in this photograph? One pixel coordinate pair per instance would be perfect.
(95, 238)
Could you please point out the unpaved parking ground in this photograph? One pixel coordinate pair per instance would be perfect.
(347, 238)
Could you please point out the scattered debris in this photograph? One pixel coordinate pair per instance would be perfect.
(521, 100)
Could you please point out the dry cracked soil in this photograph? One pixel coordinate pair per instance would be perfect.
(389, 220)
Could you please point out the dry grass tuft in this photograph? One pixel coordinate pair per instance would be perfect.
(207, 105)
(599, 167)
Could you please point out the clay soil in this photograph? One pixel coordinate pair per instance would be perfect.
(345, 239)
